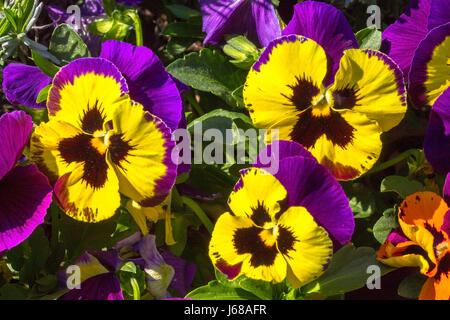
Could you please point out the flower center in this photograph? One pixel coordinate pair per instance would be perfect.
(269, 235)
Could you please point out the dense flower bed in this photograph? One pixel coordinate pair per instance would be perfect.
(225, 149)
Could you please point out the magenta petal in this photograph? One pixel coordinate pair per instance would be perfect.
(439, 13)
(401, 38)
(25, 196)
(327, 26)
(148, 81)
(15, 129)
(437, 138)
(446, 190)
(279, 150)
(105, 286)
(397, 236)
(22, 84)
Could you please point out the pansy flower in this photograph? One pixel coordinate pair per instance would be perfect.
(437, 138)
(163, 269)
(25, 193)
(257, 19)
(339, 124)
(282, 224)
(98, 280)
(98, 269)
(419, 42)
(423, 242)
(100, 139)
(430, 68)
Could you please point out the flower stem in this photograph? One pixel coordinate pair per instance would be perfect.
(199, 212)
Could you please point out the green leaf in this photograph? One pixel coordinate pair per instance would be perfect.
(43, 94)
(44, 65)
(177, 46)
(13, 291)
(347, 271)
(101, 26)
(183, 30)
(401, 185)
(132, 279)
(410, 286)
(128, 267)
(361, 199)
(183, 12)
(209, 71)
(214, 290)
(223, 120)
(80, 236)
(67, 45)
(262, 289)
(238, 96)
(9, 14)
(369, 38)
(385, 225)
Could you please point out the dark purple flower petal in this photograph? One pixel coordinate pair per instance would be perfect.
(311, 185)
(327, 26)
(25, 195)
(15, 129)
(439, 13)
(437, 138)
(105, 286)
(148, 81)
(109, 259)
(184, 272)
(401, 38)
(257, 19)
(22, 84)
(446, 190)
(428, 73)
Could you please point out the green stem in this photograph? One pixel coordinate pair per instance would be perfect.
(199, 212)
(55, 224)
(136, 290)
(401, 157)
(137, 28)
(191, 99)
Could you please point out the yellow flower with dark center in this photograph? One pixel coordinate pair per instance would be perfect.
(99, 142)
(340, 124)
(266, 240)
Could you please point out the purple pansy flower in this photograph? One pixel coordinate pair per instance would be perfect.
(437, 138)
(283, 219)
(98, 280)
(25, 193)
(419, 43)
(148, 81)
(255, 18)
